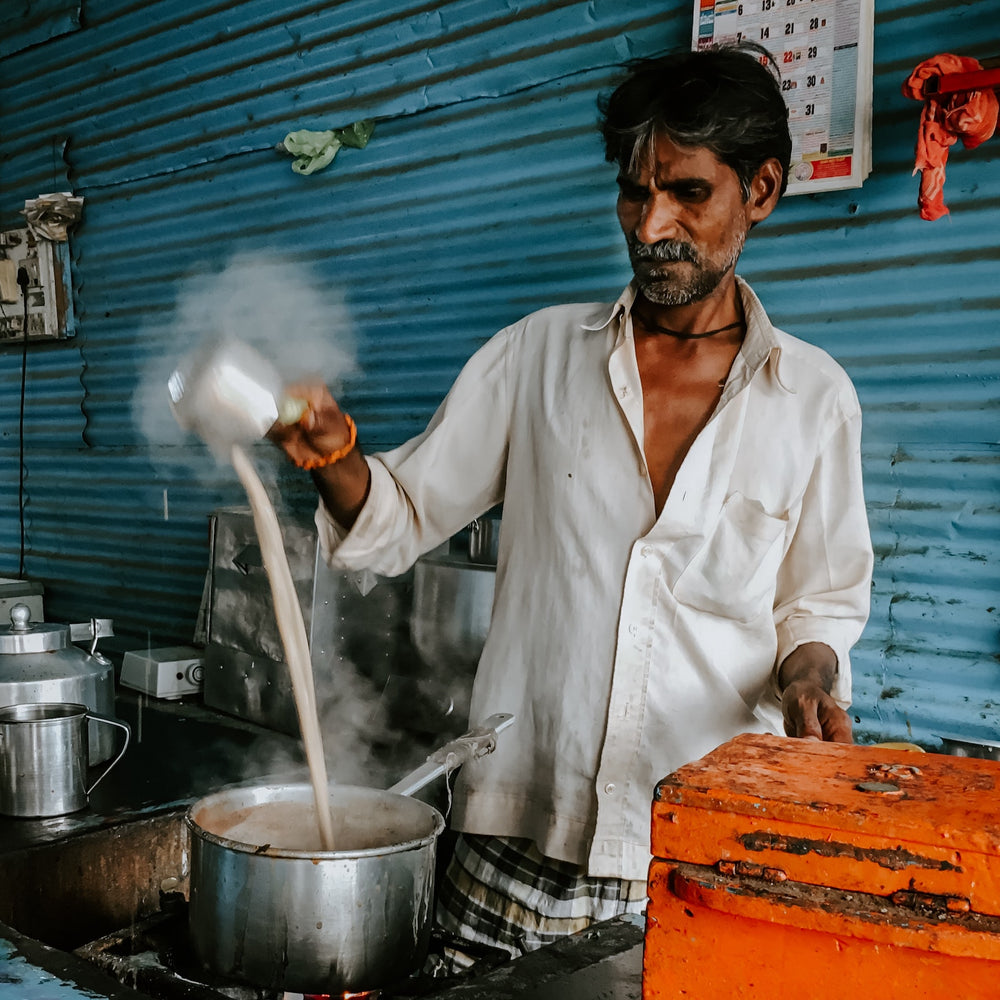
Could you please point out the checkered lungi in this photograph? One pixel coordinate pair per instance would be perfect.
(502, 892)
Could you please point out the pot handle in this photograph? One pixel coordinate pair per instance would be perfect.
(121, 753)
(477, 742)
(91, 631)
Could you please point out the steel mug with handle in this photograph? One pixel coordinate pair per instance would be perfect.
(43, 758)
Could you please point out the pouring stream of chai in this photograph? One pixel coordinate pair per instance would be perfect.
(292, 630)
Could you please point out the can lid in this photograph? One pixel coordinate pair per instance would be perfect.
(26, 636)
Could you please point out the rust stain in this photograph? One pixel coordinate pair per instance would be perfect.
(687, 882)
(895, 859)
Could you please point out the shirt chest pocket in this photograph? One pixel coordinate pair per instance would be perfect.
(734, 573)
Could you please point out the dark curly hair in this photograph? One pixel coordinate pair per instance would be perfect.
(724, 98)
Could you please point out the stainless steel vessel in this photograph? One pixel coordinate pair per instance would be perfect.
(308, 920)
(228, 393)
(43, 758)
(958, 746)
(39, 663)
(452, 607)
(268, 908)
(245, 670)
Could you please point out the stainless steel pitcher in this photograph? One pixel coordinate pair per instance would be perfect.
(229, 394)
(43, 758)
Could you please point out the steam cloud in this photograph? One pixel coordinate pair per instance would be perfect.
(281, 309)
(303, 327)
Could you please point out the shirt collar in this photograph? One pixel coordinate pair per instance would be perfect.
(760, 345)
(619, 308)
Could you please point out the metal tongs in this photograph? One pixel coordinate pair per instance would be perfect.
(475, 743)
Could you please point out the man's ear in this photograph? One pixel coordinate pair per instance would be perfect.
(765, 190)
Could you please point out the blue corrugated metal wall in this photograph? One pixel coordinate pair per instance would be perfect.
(482, 195)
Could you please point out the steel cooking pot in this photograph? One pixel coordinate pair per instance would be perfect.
(305, 920)
(40, 664)
(228, 393)
(452, 607)
(958, 746)
(270, 909)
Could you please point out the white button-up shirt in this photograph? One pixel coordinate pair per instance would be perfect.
(627, 644)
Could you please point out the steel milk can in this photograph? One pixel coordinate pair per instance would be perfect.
(39, 663)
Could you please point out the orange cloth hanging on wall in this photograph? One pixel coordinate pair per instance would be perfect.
(967, 115)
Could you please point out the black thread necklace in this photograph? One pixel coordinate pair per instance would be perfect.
(680, 335)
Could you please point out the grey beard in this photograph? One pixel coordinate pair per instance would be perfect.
(679, 293)
(673, 290)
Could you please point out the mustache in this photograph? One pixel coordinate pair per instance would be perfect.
(666, 251)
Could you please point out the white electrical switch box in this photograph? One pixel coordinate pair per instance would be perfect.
(169, 672)
(49, 290)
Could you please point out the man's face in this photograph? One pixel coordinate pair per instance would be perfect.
(685, 220)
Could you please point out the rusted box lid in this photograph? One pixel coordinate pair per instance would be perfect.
(866, 819)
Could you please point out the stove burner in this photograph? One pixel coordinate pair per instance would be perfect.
(154, 955)
(363, 995)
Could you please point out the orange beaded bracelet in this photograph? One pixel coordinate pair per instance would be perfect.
(334, 456)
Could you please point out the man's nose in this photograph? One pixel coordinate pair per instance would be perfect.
(658, 220)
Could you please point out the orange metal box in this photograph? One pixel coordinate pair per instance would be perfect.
(796, 869)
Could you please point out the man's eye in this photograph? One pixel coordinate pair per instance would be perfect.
(631, 191)
(692, 192)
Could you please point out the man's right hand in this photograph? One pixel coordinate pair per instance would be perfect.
(321, 431)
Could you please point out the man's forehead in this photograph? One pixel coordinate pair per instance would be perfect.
(665, 160)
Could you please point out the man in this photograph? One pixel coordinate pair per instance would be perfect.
(684, 553)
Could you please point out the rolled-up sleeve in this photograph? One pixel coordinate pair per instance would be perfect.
(824, 583)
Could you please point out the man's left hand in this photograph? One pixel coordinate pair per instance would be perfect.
(809, 710)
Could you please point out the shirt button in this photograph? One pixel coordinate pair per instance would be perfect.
(623, 391)
(610, 787)
(647, 550)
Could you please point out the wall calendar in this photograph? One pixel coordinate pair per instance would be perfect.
(823, 50)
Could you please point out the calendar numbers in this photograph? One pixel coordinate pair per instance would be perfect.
(805, 38)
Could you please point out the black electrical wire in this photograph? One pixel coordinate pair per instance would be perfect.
(23, 280)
